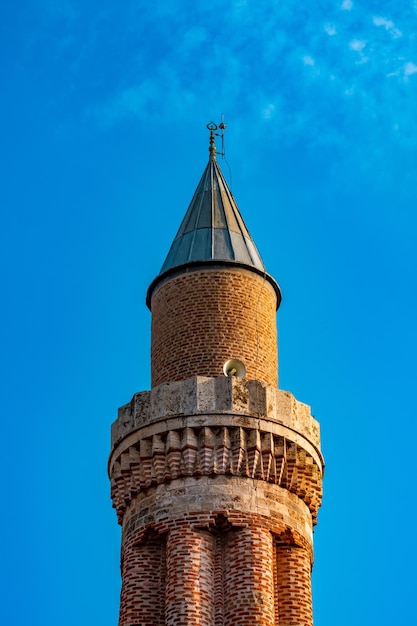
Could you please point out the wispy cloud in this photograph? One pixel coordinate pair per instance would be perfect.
(268, 112)
(346, 5)
(319, 80)
(133, 101)
(330, 29)
(357, 44)
(388, 25)
(308, 60)
(410, 68)
(194, 37)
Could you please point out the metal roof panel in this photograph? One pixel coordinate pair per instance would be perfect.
(213, 228)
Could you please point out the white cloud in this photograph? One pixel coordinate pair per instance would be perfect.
(330, 29)
(193, 38)
(388, 25)
(357, 44)
(269, 111)
(132, 101)
(308, 60)
(381, 21)
(410, 68)
(342, 61)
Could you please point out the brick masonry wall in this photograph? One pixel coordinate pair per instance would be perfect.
(216, 481)
(248, 578)
(203, 318)
(142, 599)
(197, 498)
(215, 569)
(293, 586)
(190, 583)
(231, 456)
(189, 452)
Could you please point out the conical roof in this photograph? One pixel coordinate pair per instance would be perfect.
(213, 228)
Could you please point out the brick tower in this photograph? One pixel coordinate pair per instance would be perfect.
(215, 472)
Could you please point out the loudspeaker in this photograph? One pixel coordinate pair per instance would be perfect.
(233, 367)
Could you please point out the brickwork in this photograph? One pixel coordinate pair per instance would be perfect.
(190, 582)
(216, 481)
(275, 577)
(208, 474)
(216, 569)
(248, 578)
(203, 318)
(213, 427)
(294, 586)
(189, 451)
(193, 452)
(218, 587)
(142, 600)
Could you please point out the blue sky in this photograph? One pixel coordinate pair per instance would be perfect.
(104, 108)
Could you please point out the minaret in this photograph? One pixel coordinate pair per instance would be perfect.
(216, 473)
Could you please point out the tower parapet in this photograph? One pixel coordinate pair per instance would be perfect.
(216, 479)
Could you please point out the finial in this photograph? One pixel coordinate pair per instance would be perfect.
(212, 128)
(212, 147)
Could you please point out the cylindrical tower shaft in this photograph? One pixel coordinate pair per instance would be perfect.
(216, 479)
(205, 317)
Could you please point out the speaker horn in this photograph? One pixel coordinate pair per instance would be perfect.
(233, 367)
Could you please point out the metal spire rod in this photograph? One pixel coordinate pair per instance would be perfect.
(212, 128)
(212, 147)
